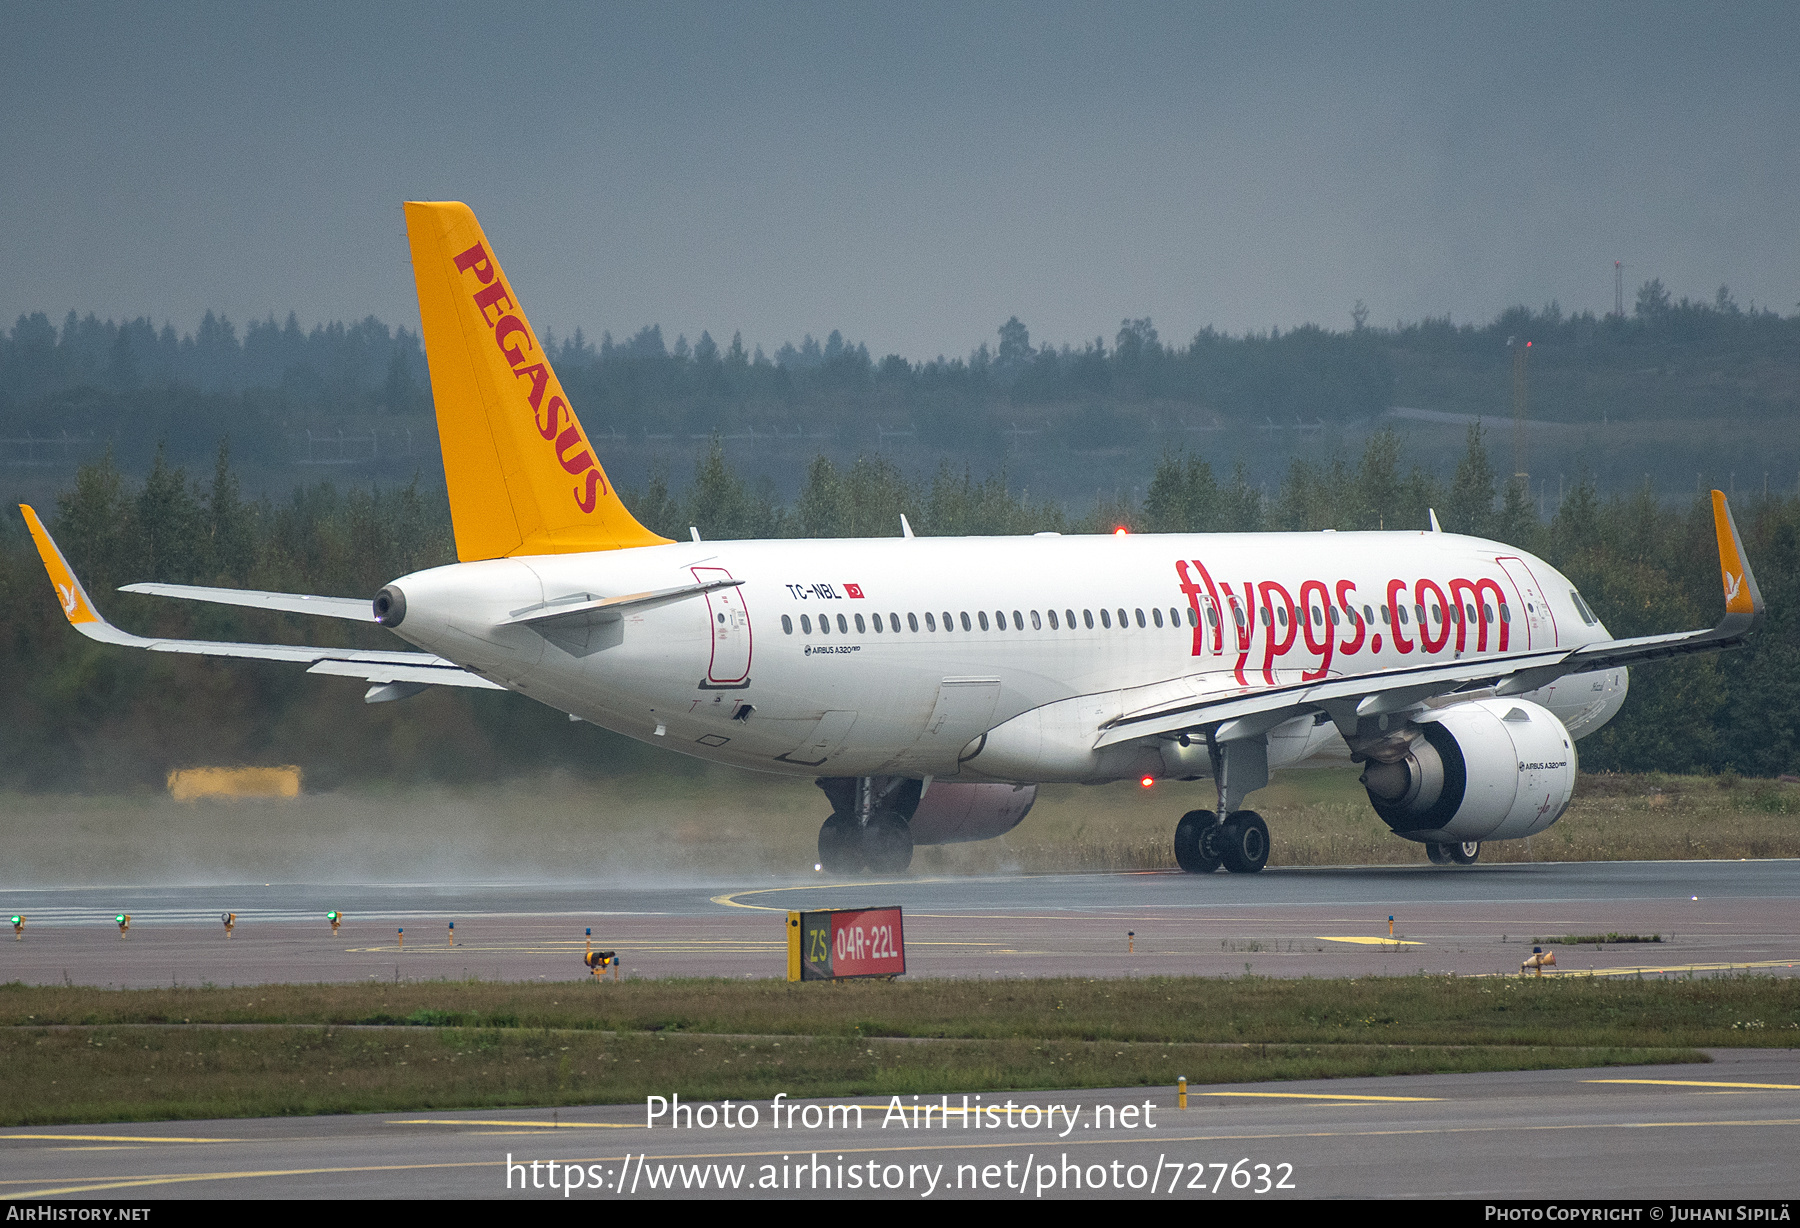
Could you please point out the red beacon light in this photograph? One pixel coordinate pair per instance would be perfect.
(1147, 781)
(1120, 531)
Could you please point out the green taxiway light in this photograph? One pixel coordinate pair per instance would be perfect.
(119, 920)
(332, 915)
(16, 919)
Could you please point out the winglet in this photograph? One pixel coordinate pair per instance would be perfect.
(1743, 600)
(69, 593)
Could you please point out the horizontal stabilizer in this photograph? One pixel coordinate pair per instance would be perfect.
(353, 608)
(597, 609)
(373, 665)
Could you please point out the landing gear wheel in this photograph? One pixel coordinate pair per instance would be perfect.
(887, 843)
(1439, 854)
(1244, 842)
(1466, 853)
(840, 845)
(1196, 842)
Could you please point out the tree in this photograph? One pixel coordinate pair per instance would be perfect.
(168, 515)
(1183, 496)
(1376, 489)
(230, 531)
(1470, 508)
(1652, 300)
(397, 390)
(822, 510)
(1015, 347)
(1241, 504)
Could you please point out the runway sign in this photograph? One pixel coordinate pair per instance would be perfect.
(836, 943)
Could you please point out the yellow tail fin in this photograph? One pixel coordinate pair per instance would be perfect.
(523, 477)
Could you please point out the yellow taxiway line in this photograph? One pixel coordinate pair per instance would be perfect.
(1319, 1096)
(1767, 1087)
(1370, 942)
(119, 1138)
(94, 1186)
(547, 1125)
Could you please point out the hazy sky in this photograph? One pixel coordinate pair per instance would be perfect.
(911, 174)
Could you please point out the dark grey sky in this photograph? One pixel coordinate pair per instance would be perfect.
(911, 174)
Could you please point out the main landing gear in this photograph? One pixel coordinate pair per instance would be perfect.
(863, 834)
(1241, 842)
(1203, 844)
(1464, 854)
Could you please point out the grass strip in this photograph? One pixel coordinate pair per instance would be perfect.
(64, 1076)
(1597, 940)
(1614, 1012)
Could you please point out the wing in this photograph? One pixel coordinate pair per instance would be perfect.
(394, 674)
(353, 608)
(1247, 712)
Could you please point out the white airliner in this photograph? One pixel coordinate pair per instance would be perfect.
(931, 684)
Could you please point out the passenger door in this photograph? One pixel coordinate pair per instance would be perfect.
(729, 666)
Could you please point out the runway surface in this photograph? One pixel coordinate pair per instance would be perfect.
(1720, 1131)
(1711, 915)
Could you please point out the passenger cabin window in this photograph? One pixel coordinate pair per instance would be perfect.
(1088, 617)
(1156, 617)
(1140, 619)
(1037, 624)
(930, 622)
(966, 625)
(843, 625)
(1053, 623)
(1019, 620)
(950, 623)
(912, 621)
(981, 616)
(1123, 620)
(1106, 619)
(787, 625)
(861, 629)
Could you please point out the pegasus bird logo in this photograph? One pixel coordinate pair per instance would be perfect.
(1733, 586)
(66, 594)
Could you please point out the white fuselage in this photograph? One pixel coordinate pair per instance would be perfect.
(840, 650)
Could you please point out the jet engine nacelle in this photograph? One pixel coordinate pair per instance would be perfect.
(955, 813)
(1489, 769)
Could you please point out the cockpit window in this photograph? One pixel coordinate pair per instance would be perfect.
(1581, 607)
